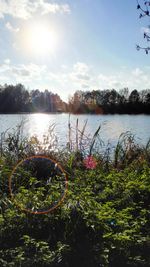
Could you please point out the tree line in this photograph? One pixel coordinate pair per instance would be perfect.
(16, 98)
(111, 102)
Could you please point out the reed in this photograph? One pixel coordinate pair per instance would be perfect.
(14, 146)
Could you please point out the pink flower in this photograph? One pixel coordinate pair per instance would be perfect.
(90, 162)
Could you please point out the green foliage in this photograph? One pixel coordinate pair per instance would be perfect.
(104, 220)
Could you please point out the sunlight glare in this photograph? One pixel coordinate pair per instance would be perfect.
(40, 39)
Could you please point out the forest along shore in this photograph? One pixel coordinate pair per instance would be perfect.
(16, 99)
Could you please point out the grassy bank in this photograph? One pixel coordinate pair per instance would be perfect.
(104, 219)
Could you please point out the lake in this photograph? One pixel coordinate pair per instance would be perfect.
(111, 125)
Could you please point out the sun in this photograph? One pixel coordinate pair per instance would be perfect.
(40, 39)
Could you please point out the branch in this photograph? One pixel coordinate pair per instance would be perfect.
(147, 49)
(144, 12)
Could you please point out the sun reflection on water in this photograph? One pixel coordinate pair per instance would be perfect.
(38, 125)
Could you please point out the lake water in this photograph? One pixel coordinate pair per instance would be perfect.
(111, 125)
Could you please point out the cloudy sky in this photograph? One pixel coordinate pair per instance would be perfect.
(69, 45)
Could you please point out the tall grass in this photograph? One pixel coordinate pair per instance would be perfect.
(13, 146)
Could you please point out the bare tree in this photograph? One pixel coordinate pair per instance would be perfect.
(144, 7)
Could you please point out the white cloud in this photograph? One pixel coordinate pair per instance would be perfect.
(11, 28)
(21, 72)
(85, 86)
(110, 81)
(137, 72)
(66, 82)
(81, 76)
(81, 67)
(53, 8)
(25, 9)
(80, 73)
(7, 61)
(133, 79)
(19, 9)
(28, 72)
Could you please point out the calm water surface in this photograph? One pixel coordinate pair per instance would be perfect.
(112, 125)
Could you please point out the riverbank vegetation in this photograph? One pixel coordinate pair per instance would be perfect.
(104, 219)
(16, 99)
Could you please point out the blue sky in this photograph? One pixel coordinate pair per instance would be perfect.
(89, 44)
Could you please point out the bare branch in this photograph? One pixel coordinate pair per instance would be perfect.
(144, 8)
